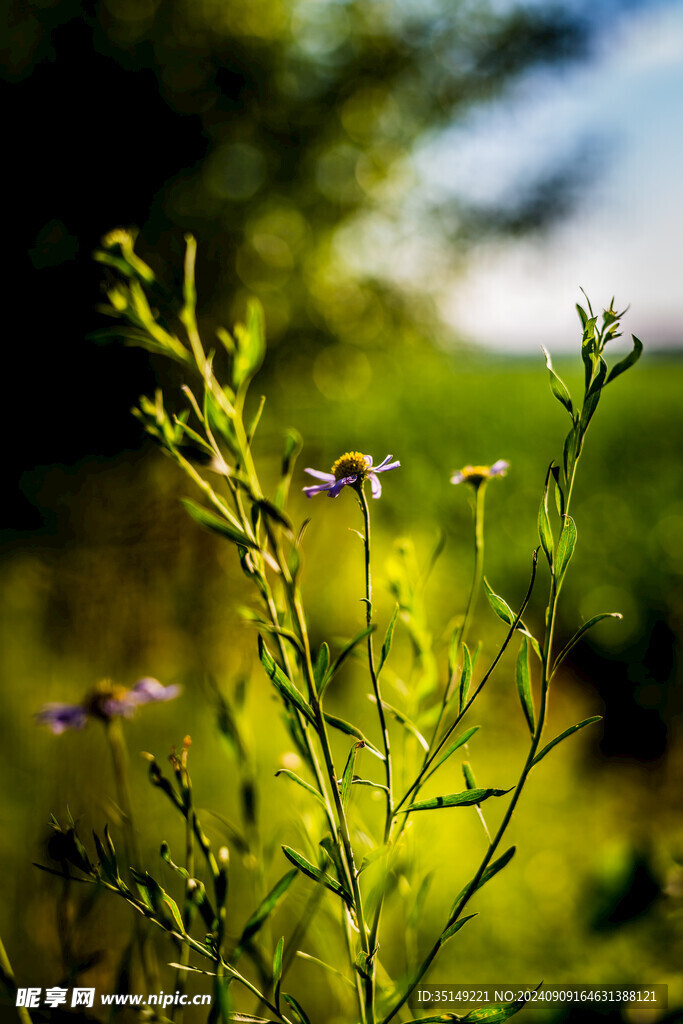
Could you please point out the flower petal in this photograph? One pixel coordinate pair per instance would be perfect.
(458, 477)
(499, 468)
(320, 475)
(317, 488)
(60, 717)
(383, 467)
(375, 484)
(340, 484)
(149, 691)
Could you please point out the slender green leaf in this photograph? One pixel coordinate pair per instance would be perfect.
(283, 683)
(523, 676)
(467, 799)
(388, 639)
(591, 400)
(403, 719)
(299, 1012)
(455, 927)
(357, 781)
(579, 633)
(453, 649)
(583, 316)
(632, 358)
(490, 872)
(563, 736)
(326, 967)
(245, 1018)
(495, 1014)
(571, 448)
(220, 526)
(277, 971)
(293, 445)
(347, 776)
(557, 385)
(250, 345)
(317, 875)
(266, 907)
(345, 652)
(461, 740)
(300, 782)
(321, 666)
(351, 730)
(500, 607)
(545, 532)
(468, 775)
(273, 512)
(565, 548)
(465, 677)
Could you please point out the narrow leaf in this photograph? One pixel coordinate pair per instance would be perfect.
(404, 720)
(345, 652)
(299, 1012)
(326, 967)
(461, 740)
(455, 927)
(266, 907)
(632, 358)
(277, 971)
(490, 872)
(300, 782)
(545, 532)
(217, 525)
(465, 676)
(500, 607)
(558, 386)
(283, 683)
(347, 776)
(579, 633)
(495, 1014)
(317, 875)
(388, 639)
(351, 730)
(244, 1018)
(565, 548)
(467, 799)
(322, 663)
(523, 676)
(563, 736)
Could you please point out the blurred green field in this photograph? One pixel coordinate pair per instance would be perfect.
(121, 584)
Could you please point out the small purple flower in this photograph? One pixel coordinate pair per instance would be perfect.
(61, 717)
(351, 468)
(105, 702)
(477, 475)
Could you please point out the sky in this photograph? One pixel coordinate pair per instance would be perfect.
(624, 235)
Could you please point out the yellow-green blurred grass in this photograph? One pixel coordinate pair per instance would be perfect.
(124, 585)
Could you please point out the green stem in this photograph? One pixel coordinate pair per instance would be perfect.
(371, 660)
(186, 789)
(477, 577)
(374, 931)
(10, 981)
(367, 1007)
(119, 755)
(507, 817)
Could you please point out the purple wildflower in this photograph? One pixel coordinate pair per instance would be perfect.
(105, 702)
(477, 475)
(351, 468)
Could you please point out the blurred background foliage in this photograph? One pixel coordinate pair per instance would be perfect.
(283, 135)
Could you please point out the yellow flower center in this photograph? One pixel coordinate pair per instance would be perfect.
(476, 474)
(351, 464)
(103, 692)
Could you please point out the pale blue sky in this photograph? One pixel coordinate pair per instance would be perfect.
(625, 235)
